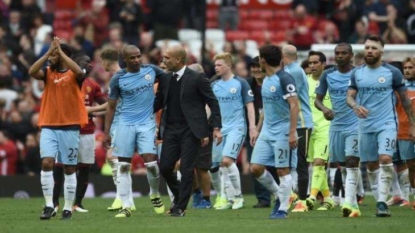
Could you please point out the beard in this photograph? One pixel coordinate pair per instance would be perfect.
(371, 60)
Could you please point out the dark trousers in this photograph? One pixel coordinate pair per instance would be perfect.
(179, 143)
(302, 165)
(261, 193)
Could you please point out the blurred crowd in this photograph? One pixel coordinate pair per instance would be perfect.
(27, 27)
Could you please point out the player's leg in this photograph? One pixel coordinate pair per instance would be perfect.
(147, 147)
(386, 148)
(319, 181)
(262, 156)
(48, 153)
(113, 162)
(86, 158)
(368, 141)
(124, 145)
(284, 158)
(68, 142)
(397, 197)
(231, 149)
(203, 164)
(350, 207)
(303, 159)
(406, 176)
(219, 176)
(57, 188)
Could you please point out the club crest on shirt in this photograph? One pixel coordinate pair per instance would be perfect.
(272, 89)
(88, 89)
(291, 88)
(381, 79)
(232, 90)
(147, 76)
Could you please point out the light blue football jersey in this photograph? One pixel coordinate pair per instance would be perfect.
(275, 91)
(305, 119)
(376, 93)
(136, 93)
(232, 95)
(336, 84)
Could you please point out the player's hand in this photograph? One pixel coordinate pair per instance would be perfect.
(253, 135)
(328, 114)
(204, 141)
(52, 47)
(361, 111)
(107, 141)
(217, 136)
(293, 140)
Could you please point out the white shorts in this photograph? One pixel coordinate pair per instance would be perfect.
(87, 149)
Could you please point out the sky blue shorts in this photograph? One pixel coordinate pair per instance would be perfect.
(60, 144)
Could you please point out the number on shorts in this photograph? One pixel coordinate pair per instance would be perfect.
(73, 153)
(236, 146)
(282, 152)
(355, 144)
(390, 143)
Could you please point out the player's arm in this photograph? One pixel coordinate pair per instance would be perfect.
(80, 75)
(159, 99)
(35, 70)
(253, 133)
(290, 95)
(321, 91)
(260, 121)
(360, 111)
(114, 94)
(97, 108)
(294, 111)
(205, 89)
(109, 117)
(328, 113)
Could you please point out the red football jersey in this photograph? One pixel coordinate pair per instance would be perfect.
(90, 91)
(8, 158)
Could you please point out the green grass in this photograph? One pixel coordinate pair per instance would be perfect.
(23, 216)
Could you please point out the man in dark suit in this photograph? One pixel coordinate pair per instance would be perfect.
(183, 95)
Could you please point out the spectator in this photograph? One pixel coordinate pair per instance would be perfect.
(241, 69)
(32, 161)
(6, 93)
(15, 25)
(303, 26)
(394, 33)
(17, 127)
(95, 21)
(131, 19)
(360, 34)
(167, 16)
(26, 56)
(8, 155)
(228, 15)
(40, 32)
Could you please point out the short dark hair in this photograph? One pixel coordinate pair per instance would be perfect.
(347, 45)
(377, 39)
(322, 57)
(271, 54)
(77, 56)
(255, 61)
(110, 55)
(397, 64)
(67, 50)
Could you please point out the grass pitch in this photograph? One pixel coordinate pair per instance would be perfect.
(23, 216)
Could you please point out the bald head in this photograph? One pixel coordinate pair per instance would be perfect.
(290, 51)
(175, 58)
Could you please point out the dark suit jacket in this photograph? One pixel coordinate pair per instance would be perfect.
(195, 93)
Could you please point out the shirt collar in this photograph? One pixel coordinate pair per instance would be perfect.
(180, 72)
